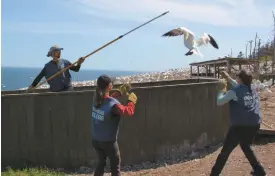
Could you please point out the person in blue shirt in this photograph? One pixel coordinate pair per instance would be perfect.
(61, 82)
(106, 114)
(245, 119)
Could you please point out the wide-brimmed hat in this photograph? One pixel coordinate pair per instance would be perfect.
(53, 48)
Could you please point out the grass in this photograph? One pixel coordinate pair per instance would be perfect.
(31, 172)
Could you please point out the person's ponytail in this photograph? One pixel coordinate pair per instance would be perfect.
(99, 97)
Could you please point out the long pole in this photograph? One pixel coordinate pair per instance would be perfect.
(258, 56)
(259, 47)
(66, 68)
(250, 48)
(246, 50)
(254, 51)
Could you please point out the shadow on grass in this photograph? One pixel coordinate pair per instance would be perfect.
(31, 171)
(198, 154)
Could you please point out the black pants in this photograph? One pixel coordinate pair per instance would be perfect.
(244, 136)
(71, 88)
(110, 150)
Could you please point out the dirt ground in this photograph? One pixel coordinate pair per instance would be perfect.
(237, 164)
(268, 108)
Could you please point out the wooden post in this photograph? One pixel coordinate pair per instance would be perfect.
(191, 71)
(218, 72)
(206, 70)
(215, 71)
(228, 65)
(198, 71)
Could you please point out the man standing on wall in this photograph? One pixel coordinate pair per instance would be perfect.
(61, 82)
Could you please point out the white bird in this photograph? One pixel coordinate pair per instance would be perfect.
(189, 40)
(259, 86)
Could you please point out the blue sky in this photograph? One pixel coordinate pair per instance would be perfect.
(30, 27)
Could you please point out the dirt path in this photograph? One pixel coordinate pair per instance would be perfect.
(236, 165)
(268, 108)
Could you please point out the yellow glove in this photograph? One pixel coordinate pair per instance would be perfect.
(224, 74)
(132, 97)
(222, 85)
(124, 89)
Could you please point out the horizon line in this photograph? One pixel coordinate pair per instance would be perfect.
(87, 69)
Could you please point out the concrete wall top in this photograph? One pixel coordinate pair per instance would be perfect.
(134, 85)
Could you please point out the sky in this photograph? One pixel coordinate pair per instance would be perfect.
(31, 27)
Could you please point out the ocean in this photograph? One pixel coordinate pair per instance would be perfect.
(14, 78)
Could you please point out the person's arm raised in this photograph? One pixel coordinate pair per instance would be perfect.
(230, 80)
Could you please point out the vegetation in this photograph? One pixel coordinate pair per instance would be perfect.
(31, 172)
(240, 55)
(265, 51)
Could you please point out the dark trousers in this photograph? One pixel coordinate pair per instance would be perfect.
(244, 136)
(71, 88)
(104, 150)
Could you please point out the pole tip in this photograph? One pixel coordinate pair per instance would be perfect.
(165, 13)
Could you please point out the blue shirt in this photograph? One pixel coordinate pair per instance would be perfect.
(244, 105)
(60, 82)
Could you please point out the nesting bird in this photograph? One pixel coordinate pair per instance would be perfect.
(189, 40)
(259, 86)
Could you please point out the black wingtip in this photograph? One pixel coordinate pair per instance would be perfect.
(167, 34)
(189, 53)
(213, 42)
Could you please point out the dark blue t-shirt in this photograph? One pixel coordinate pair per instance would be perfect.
(246, 110)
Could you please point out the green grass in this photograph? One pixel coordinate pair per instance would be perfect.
(31, 172)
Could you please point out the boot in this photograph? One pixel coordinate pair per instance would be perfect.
(258, 171)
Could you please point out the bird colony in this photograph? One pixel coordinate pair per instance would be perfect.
(171, 74)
